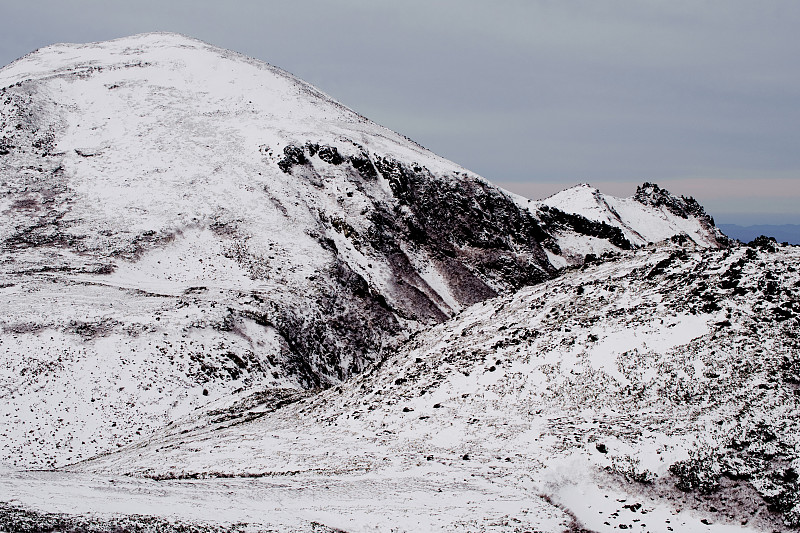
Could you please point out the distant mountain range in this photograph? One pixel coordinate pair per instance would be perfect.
(781, 232)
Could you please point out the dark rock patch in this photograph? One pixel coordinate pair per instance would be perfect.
(292, 156)
(555, 219)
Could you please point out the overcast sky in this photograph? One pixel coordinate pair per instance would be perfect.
(701, 97)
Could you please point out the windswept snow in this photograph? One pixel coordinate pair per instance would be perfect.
(532, 393)
(229, 302)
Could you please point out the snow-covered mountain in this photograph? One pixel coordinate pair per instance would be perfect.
(181, 223)
(194, 244)
(583, 221)
(657, 392)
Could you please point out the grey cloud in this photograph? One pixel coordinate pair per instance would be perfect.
(521, 91)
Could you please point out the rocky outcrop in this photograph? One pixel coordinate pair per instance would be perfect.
(682, 206)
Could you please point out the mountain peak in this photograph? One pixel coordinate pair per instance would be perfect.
(238, 220)
(608, 223)
(266, 235)
(580, 189)
(60, 57)
(154, 38)
(682, 206)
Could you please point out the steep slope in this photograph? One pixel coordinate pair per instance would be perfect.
(657, 391)
(180, 224)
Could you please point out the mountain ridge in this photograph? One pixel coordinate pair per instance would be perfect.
(780, 232)
(195, 239)
(208, 199)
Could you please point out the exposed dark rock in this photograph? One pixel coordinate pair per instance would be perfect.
(331, 155)
(697, 473)
(344, 328)
(364, 166)
(467, 219)
(684, 207)
(47, 230)
(19, 520)
(767, 244)
(659, 268)
(554, 218)
(292, 156)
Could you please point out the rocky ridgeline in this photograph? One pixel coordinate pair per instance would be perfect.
(682, 206)
(482, 241)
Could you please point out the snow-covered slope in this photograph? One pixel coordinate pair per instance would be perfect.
(582, 221)
(180, 222)
(657, 392)
(181, 225)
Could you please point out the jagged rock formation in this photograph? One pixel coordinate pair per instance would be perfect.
(652, 194)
